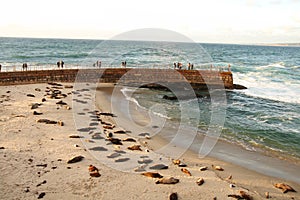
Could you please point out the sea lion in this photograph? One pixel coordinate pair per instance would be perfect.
(135, 147)
(75, 159)
(159, 166)
(168, 180)
(284, 187)
(129, 140)
(152, 174)
(176, 162)
(203, 168)
(200, 181)
(267, 195)
(116, 141)
(109, 134)
(92, 168)
(217, 168)
(186, 171)
(95, 174)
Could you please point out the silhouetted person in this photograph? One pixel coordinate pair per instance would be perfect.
(58, 64)
(24, 66)
(192, 66)
(0, 67)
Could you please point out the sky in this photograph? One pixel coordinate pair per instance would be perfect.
(213, 21)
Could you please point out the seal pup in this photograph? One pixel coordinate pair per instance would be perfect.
(168, 180)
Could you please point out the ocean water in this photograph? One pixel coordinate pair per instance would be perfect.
(265, 117)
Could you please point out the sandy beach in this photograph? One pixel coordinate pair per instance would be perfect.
(44, 126)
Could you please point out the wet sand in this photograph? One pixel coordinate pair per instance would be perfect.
(35, 155)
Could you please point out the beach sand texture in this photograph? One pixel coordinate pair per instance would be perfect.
(35, 153)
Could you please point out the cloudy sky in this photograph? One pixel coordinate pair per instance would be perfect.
(217, 21)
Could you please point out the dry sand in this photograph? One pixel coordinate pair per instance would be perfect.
(34, 155)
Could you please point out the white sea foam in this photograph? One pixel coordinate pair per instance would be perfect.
(127, 92)
(264, 87)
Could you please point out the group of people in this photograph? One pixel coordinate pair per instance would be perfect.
(24, 67)
(60, 64)
(97, 64)
(123, 64)
(179, 65)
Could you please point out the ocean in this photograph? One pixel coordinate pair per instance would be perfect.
(264, 118)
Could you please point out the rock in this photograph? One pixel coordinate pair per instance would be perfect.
(200, 181)
(169, 180)
(204, 168)
(135, 147)
(159, 166)
(75, 159)
(37, 89)
(231, 186)
(43, 100)
(284, 187)
(169, 97)
(239, 87)
(173, 196)
(186, 171)
(2, 147)
(68, 86)
(30, 95)
(152, 174)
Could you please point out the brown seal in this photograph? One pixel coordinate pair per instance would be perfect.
(284, 187)
(169, 180)
(152, 174)
(186, 171)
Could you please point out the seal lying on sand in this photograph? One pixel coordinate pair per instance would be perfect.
(152, 174)
(169, 180)
(284, 187)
